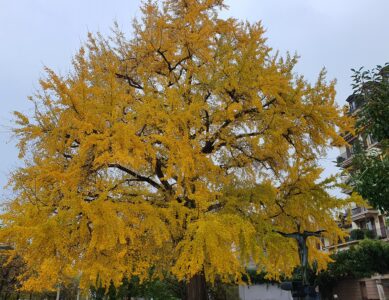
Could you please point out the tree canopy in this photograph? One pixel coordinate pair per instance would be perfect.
(370, 168)
(180, 150)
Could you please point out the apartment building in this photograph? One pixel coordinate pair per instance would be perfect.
(361, 222)
(367, 219)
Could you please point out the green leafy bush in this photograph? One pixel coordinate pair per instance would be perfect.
(364, 260)
(357, 234)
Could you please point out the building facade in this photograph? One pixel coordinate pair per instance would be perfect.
(362, 218)
(361, 222)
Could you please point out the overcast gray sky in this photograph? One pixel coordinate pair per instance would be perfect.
(336, 34)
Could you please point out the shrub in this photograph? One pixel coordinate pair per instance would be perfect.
(357, 234)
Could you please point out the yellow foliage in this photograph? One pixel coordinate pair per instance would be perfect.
(181, 149)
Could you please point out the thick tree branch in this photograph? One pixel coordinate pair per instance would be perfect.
(137, 176)
(6, 247)
(215, 207)
(130, 81)
(243, 135)
(162, 54)
(282, 211)
(158, 171)
(209, 145)
(267, 104)
(304, 234)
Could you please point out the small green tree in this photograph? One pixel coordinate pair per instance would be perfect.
(370, 169)
(167, 289)
(11, 268)
(360, 234)
(98, 291)
(357, 234)
(112, 293)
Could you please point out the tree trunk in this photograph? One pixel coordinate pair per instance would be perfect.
(196, 288)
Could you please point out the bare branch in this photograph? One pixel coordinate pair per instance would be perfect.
(137, 176)
(130, 81)
(209, 145)
(158, 170)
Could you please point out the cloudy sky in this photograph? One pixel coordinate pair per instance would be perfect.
(336, 34)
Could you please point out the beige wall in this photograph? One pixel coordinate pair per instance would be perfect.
(362, 289)
(348, 290)
(371, 289)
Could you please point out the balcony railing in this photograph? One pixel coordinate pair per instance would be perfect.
(359, 213)
(344, 160)
(357, 210)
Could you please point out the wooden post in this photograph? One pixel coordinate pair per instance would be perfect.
(58, 292)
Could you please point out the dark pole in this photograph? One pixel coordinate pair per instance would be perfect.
(6, 247)
(301, 239)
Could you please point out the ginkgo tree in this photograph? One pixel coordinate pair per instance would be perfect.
(133, 160)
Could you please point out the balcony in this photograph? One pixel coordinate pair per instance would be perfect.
(355, 103)
(359, 213)
(344, 160)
